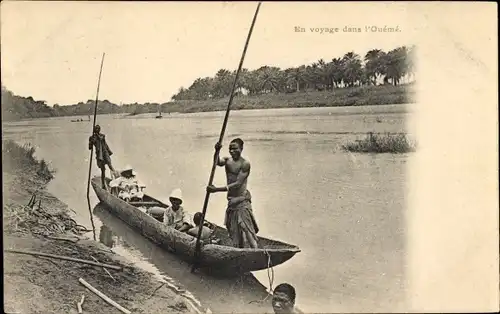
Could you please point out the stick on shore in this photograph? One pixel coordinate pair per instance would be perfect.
(103, 296)
(64, 258)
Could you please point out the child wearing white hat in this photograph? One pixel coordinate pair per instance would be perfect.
(174, 215)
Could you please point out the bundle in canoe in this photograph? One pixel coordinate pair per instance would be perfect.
(221, 257)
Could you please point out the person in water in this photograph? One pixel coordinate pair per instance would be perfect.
(102, 153)
(205, 231)
(174, 215)
(239, 220)
(283, 300)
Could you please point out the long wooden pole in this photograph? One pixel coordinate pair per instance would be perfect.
(221, 137)
(92, 148)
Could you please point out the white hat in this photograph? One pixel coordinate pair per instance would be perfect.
(177, 193)
(128, 168)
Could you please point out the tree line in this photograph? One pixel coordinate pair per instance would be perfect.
(16, 107)
(342, 74)
(377, 67)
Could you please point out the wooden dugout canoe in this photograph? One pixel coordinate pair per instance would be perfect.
(218, 258)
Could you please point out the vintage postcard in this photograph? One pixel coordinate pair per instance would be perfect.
(249, 157)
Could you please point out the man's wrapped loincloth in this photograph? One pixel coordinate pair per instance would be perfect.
(103, 152)
(240, 220)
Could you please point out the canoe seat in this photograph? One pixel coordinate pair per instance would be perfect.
(139, 203)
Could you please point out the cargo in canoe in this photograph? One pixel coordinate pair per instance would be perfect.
(218, 258)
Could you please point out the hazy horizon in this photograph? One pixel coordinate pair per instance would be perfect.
(153, 49)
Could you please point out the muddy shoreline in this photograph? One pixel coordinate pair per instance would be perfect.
(39, 284)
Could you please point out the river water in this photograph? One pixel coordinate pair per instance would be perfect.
(345, 211)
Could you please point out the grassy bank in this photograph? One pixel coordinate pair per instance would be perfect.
(35, 220)
(28, 108)
(386, 143)
(22, 158)
(354, 96)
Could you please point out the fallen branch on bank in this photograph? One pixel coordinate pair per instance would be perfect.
(103, 296)
(73, 240)
(79, 304)
(104, 268)
(65, 258)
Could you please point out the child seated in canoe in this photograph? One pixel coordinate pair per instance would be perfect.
(126, 186)
(206, 232)
(174, 215)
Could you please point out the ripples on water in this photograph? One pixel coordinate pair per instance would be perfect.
(345, 211)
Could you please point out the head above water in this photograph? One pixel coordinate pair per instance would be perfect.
(283, 298)
(235, 148)
(97, 128)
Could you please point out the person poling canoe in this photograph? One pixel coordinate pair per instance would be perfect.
(102, 152)
(239, 220)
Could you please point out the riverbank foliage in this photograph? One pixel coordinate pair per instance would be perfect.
(343, 72)
(377, 78)
(386, 143)
(22, 157)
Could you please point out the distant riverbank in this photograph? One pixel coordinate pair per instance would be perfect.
(354, 96)
(351, 96)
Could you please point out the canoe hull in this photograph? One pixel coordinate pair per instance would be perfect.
(214, 258)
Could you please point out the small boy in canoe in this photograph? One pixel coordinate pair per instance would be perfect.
(205, 232)
(174, 215)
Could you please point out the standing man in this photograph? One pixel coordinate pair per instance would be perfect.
(240, 221)
(102, 153)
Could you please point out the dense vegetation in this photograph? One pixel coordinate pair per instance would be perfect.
(380, 78)
(348, 71)
(22, 158)
(386, 143)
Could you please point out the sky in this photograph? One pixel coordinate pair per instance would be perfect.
(52, 50)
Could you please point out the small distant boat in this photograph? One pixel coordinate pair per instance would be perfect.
(80, 120)
(217, 258)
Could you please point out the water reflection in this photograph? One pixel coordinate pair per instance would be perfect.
(242, 295)
(106, 236)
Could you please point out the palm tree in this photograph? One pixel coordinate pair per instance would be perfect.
(269, 78)
(222, 83)
(396, 64)
(326, 73)
(352, 68)
(337, 66)
(296, 76)
(375, 65)
(250, 81)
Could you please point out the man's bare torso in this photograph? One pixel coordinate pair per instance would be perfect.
(233, 168)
